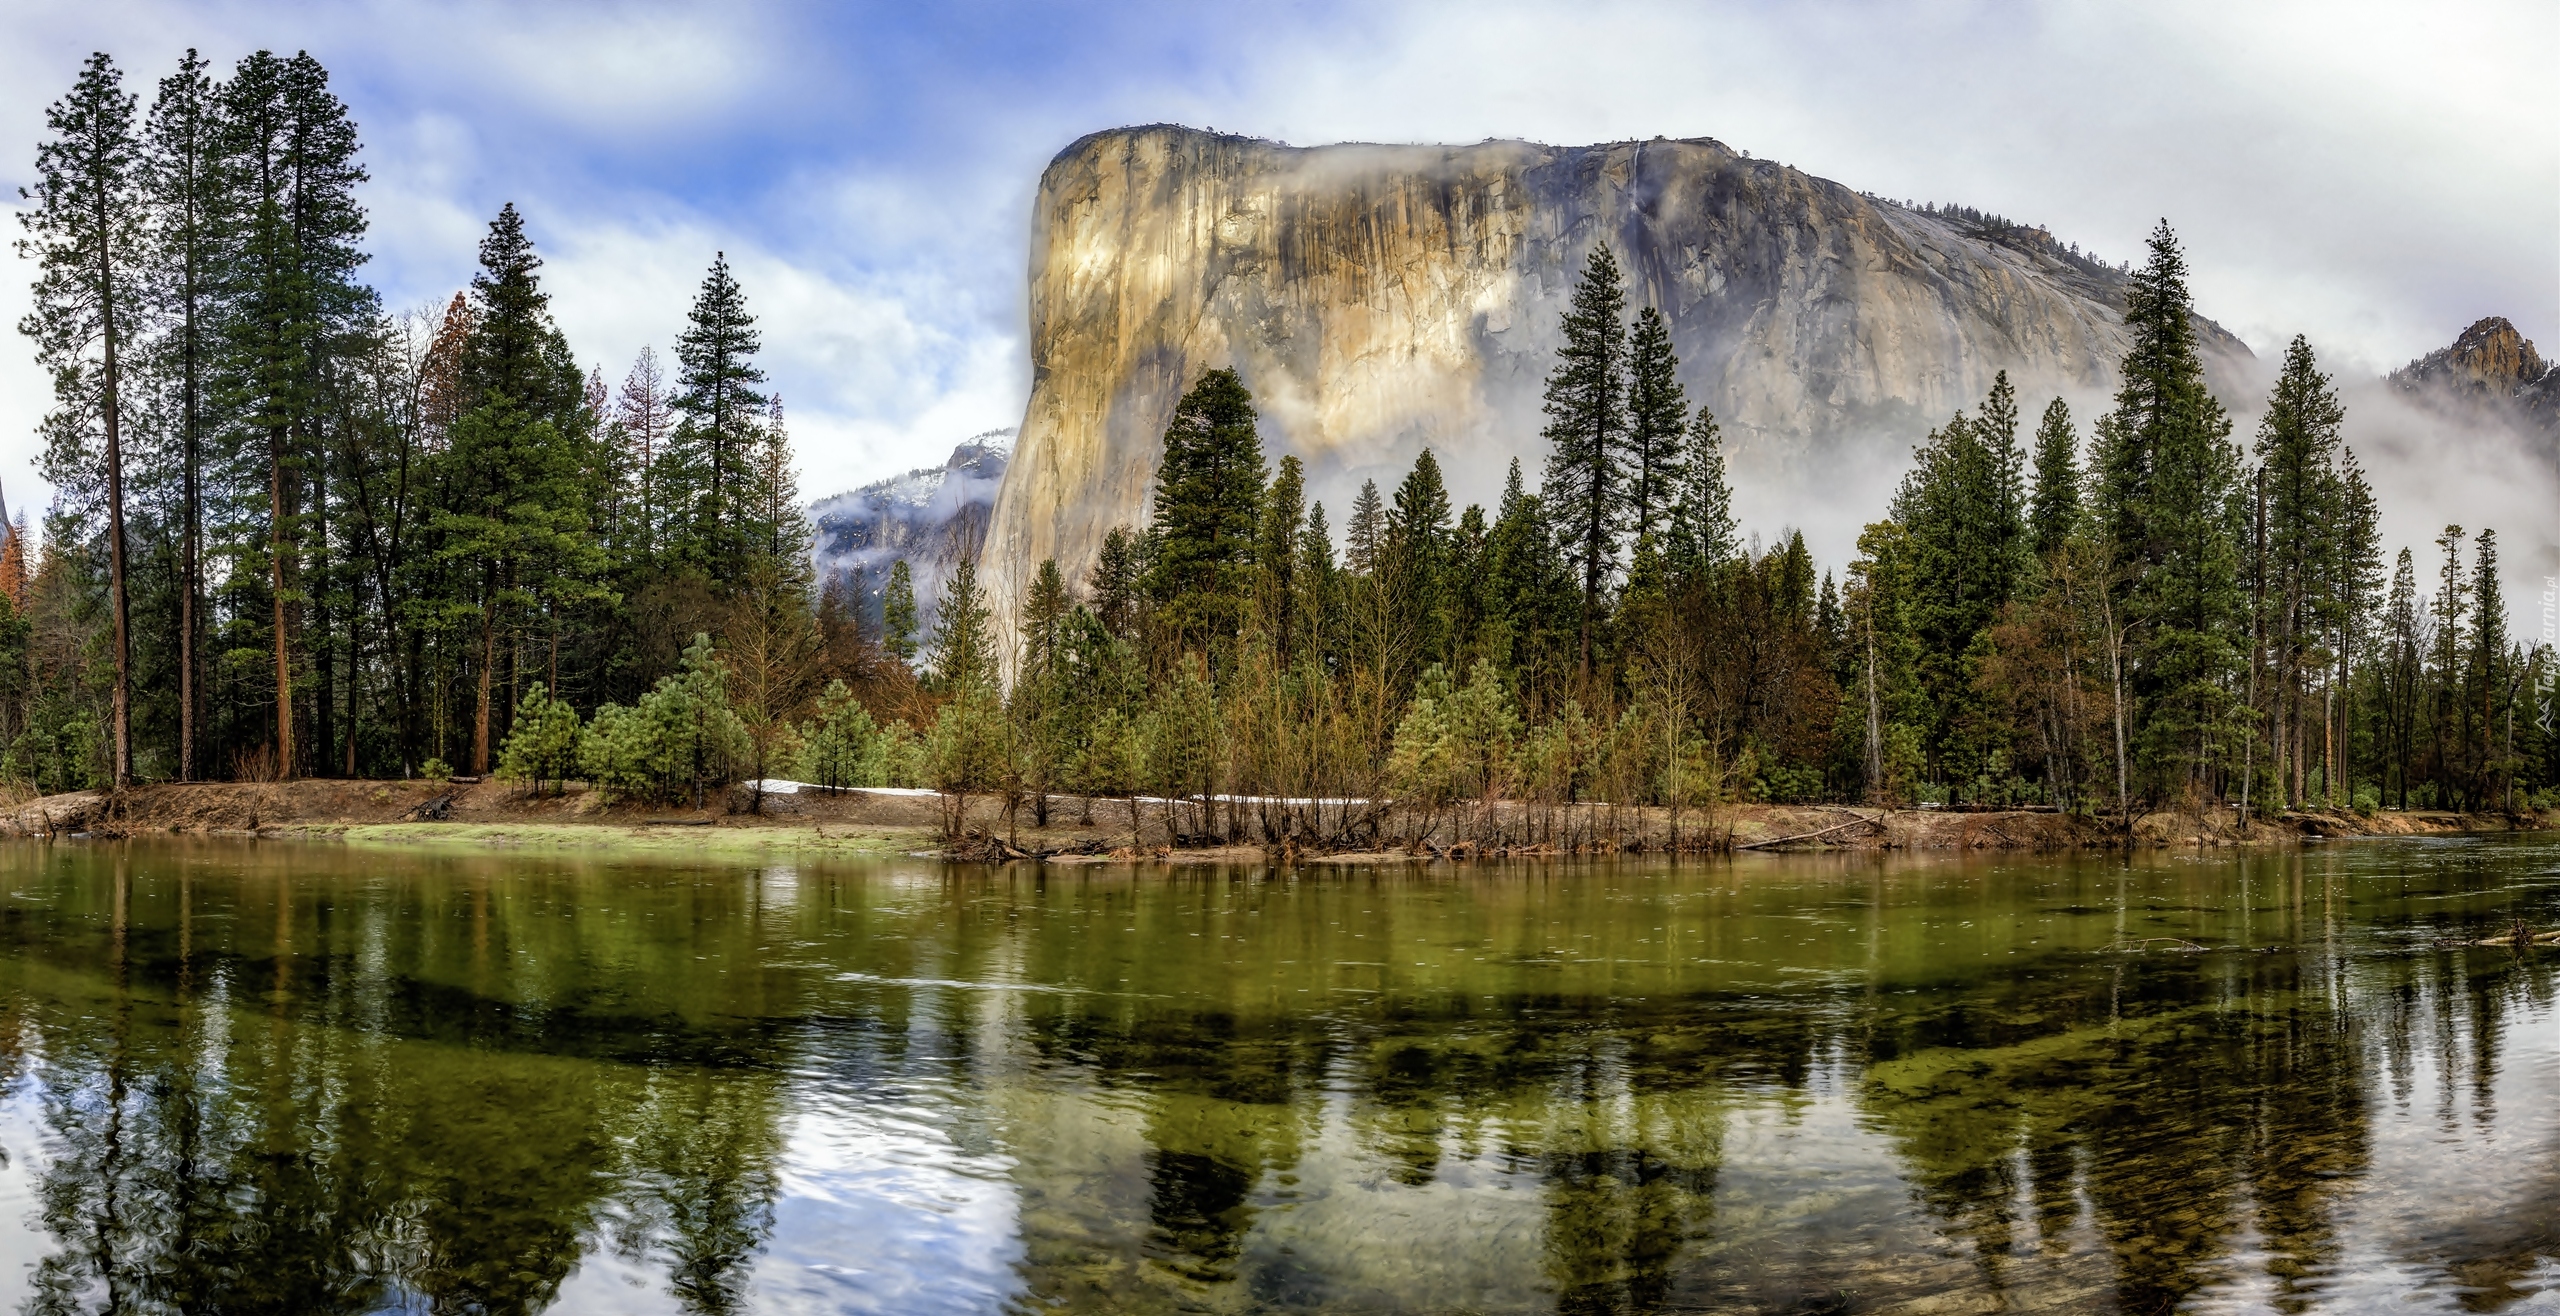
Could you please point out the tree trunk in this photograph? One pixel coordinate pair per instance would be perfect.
(112, 406)
(488, 675)
(276, 582)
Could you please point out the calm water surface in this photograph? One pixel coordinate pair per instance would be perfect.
(277, 1078)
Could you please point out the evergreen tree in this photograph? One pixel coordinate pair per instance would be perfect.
(898, 613)
(1703, 536)
(1208, 510)
(1413, 575)
(780, 529)
(2056, 509)
(963, 648)
(2445, 706)
(1657, 422)
(1275, 556)
(710, 459)
(2297, 449)
(2164, 482)
(2485, 674)
(293, 313)
(1997, 426)
(1587, 432)
(1319, 589)
(514, 520)
(1367, 531)
(183, 182)
(1118, 586)
(1044, 610)
(86, 234)
(2404, 651)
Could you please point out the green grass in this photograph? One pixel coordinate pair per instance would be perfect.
(629, 838)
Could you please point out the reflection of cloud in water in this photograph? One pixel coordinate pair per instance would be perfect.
(883, 1211)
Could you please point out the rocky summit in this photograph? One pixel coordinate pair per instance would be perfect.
(1377, 299)
(2491, 370)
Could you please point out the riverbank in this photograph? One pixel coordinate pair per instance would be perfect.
(487, 814)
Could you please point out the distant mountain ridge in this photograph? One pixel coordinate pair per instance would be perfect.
(2491, 368)
(933, 517)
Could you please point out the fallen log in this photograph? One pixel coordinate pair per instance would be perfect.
(1876, 822)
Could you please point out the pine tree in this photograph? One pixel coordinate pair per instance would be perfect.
(711, 454)
(1208, 507)
(1587, 434)
(1413, 573)
(898, 613)
(2056, 509)
(1366, 533)
(514, 520)
(1118, 583)
(86, 234)
(1044, 609)
(293, 310)
(2485, 673)
(2404, 654)
(1657, 422)
(1275, 556)
(2164, 487)
(782, 535)
(2445, 706)
(1997, 426)
(1319, 588)
(183, 183)
(1703, 536)
(2297, 449)
(963, 647)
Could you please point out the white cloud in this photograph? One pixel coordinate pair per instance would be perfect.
(2375, 175)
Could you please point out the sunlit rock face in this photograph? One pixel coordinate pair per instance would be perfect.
(2491, 370)
(1376, 299)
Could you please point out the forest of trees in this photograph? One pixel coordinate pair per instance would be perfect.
(297, 534)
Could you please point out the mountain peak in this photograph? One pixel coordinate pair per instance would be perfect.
(2491, 356)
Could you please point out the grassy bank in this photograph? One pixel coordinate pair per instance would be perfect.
(496, 814)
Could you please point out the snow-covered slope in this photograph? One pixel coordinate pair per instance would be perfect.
(934, 517)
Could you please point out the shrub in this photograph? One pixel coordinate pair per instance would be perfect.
(544, 743)
(844, 747)
(679, 739)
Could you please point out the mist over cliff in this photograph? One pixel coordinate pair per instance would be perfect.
(1380, 298)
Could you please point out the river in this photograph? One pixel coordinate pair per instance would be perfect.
(305, 1078)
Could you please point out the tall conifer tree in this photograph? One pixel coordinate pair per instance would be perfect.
(2055, 511)
(2166, 473)
(1703, 534)
(183, 182)
(1657, 422)
(1585, 490)
(1208, 507)
(86, 233)
(293, 311)
(718, 407)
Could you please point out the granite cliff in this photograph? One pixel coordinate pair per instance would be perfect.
(1380, 298)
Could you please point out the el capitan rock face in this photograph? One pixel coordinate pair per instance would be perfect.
(1380, 298)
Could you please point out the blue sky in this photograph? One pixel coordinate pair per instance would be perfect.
(2375, 175)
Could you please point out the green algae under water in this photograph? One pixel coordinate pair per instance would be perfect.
(306, 1079)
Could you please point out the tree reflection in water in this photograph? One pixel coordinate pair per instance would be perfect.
(257, 1081)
